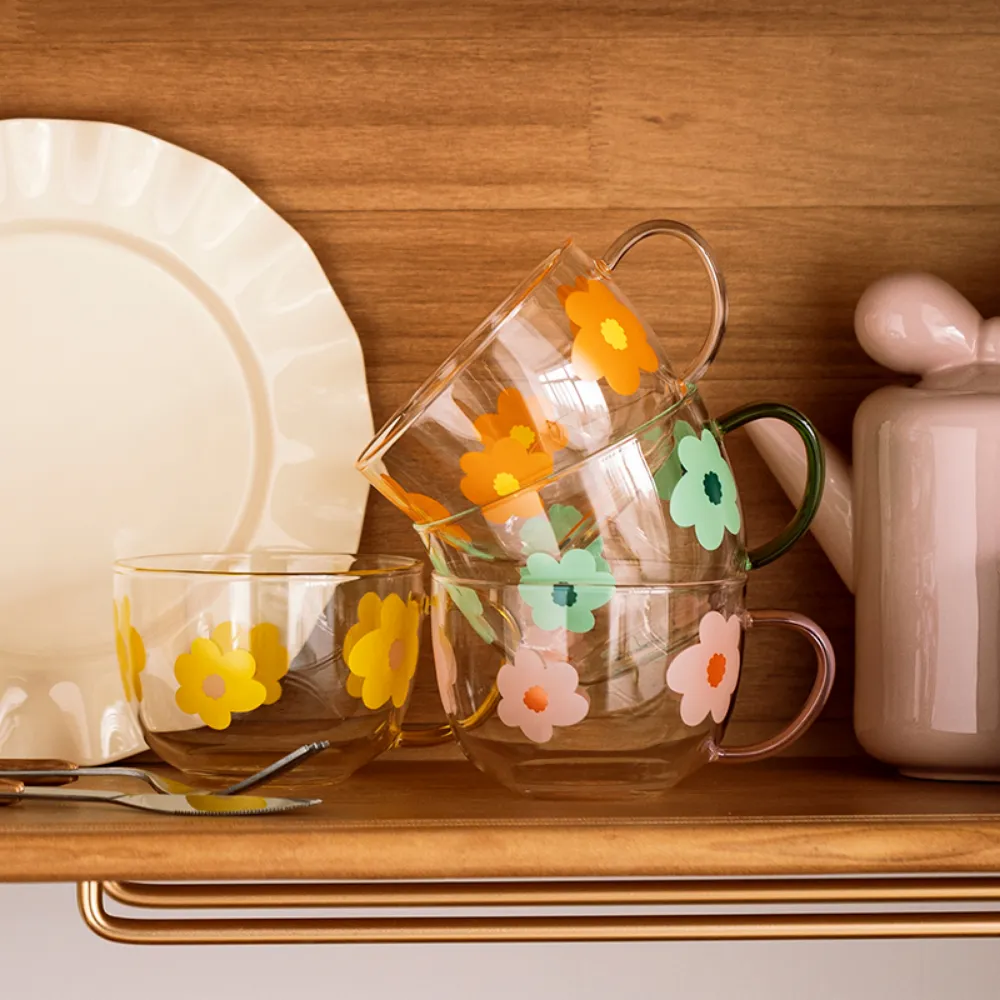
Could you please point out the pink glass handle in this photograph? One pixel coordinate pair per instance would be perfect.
(826, 668)
(720, 304)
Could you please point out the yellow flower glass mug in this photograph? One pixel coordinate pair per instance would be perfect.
(564, 367)
(665, 496)
(593, 688)
(235, 660)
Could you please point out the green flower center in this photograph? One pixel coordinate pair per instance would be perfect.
(564, 594)
(713, 488)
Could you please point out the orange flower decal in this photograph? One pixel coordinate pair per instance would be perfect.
(503, 469)
(424, 509)
(610, 342)
(522, 419)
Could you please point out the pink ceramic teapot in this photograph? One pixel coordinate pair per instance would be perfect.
(915, 531)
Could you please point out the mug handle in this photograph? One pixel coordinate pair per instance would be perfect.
(826, 668)
(815, 474)
(720, 304)
(444, 732)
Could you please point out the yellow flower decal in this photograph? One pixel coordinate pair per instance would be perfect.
(264, 644)
(130, 649)
(381, 650)
(214, 684)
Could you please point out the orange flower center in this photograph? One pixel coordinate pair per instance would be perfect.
(523, 435)
(614, 333)
(536, 699)
(504, 484)
(397, 654)
(716, 669)
(213, 686)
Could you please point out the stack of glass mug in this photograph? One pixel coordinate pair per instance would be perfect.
(587, 539)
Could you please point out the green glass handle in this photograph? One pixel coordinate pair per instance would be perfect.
(815, 474)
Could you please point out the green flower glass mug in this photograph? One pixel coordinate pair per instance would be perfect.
(662, 501)
(562, 368)
(600, 688)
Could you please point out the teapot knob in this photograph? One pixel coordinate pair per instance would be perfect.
(917, 323)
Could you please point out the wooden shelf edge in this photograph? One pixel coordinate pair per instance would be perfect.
(909, 846)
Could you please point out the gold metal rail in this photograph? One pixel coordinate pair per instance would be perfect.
(521, 927)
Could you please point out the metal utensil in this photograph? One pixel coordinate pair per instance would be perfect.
(10, 786)
(179, 805)
(62, 772)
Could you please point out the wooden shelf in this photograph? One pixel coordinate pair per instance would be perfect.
(397, 821)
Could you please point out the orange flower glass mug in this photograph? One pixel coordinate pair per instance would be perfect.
(610, 342)
(249, 656)
(571, 368)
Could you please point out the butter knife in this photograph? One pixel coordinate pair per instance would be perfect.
(178, 805)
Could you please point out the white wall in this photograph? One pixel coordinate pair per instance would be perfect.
(47, 953)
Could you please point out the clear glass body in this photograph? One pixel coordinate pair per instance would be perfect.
(561, 369)
(587, 703)
(618, 504)
(235, 660)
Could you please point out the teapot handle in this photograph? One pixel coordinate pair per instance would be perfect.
(720, 306)
(815, 474)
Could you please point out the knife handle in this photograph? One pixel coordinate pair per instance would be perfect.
(10, 786)
(30, 764)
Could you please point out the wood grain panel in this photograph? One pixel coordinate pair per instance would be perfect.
(503, 20)
(13, 20)
(339, 126)
(798, 121)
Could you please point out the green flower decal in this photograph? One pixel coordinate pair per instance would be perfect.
(706, 494)
(564, 593)
(466, 600)
(668, 475)
(547, 533)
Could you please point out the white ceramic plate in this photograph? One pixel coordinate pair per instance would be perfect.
(176, 374)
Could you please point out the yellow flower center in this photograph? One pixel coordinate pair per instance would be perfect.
(523, 435)
(397, 654)
(536, 698)
(504, 484)
(716, 669)
(213, 686)
(614, 333)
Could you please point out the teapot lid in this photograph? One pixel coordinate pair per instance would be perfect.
(919, 324)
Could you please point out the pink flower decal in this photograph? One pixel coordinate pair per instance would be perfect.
(538, 693)
(705, 674)
(445, 668)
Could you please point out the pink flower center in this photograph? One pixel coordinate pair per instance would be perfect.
(536, 698)
(397, 654)
(213, 686)
(716, 669)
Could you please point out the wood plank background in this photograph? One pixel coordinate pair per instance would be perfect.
(434, 151)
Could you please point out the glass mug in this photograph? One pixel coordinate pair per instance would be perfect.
(236, 660)
(665, 496)
(600, 689)
(561, 369)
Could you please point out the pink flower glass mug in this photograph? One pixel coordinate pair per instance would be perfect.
(563, 367)
(588, 687)
(235, 660)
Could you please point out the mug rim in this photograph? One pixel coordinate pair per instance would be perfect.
(691, 393)
(468, 350)
(720, 583)
(300, 563)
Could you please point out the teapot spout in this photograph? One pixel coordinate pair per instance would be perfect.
(781, 449)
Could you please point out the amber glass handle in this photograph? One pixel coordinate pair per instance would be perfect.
(432, 736)
(720, 304)
(825, 672)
